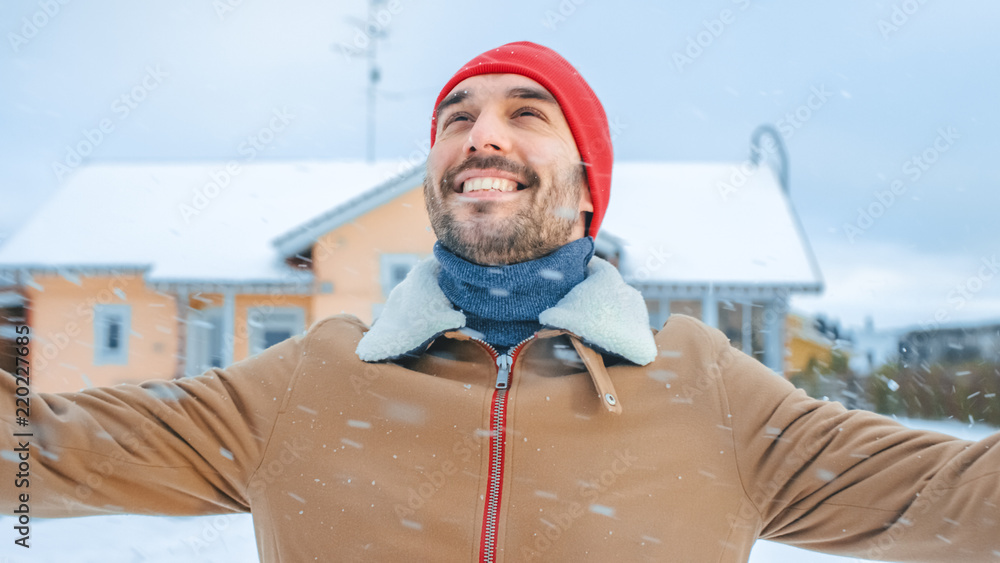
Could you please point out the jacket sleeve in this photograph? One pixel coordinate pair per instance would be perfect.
(180, 447)
(821, 477)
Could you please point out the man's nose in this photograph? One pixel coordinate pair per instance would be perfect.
(489, 134)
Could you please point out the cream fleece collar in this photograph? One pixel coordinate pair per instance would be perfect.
(602, 310)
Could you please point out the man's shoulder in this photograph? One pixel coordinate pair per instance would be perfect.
(342, 328)
(685, 335)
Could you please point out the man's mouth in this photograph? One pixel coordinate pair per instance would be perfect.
(494, 184)
(487, 181)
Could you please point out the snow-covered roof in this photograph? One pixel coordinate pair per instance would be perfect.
(304, 235)
(681, 223)
(169, 217)
(724, 224)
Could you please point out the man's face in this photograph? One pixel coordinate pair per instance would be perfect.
(504, 179)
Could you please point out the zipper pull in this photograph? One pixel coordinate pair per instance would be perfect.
(504, 362)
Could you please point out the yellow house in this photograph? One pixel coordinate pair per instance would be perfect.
(140, 271)
(805, 344)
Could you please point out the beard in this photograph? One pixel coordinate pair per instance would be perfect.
(547, 214)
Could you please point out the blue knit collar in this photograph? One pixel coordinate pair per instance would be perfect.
(503, 302)
(602, 310)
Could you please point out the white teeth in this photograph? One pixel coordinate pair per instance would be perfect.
(498, 184)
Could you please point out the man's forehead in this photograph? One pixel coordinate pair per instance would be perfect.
(507, 85)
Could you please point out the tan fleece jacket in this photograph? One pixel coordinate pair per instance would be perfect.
(694, 455)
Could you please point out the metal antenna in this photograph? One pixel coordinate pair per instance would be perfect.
(373, 77)
(366, 38)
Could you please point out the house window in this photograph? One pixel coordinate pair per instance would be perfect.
(112, 325)
(743, 324)
(757, 331)
(205, 340)
(268, 326)
(731, 321)
(215, 338)
(393, 268)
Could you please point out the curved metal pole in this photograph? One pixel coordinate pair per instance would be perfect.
(757, 152)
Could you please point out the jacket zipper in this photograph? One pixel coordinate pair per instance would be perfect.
(498, 436)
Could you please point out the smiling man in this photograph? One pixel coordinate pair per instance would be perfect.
(505, 183)
(511, 403)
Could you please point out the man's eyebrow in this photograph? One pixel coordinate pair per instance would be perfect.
(531, 94)
(456, 98)
(521, 92)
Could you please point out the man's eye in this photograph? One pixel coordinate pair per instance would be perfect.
(457, 117)
(527, 112)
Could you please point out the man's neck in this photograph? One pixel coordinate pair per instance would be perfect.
(503, 302)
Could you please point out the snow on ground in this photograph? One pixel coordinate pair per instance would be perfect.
(230, 538)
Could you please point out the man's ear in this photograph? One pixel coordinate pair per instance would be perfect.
(586, 210)
(586, 203)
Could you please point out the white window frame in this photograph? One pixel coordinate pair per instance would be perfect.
(204, 332)
(261, 319)
(103, 356)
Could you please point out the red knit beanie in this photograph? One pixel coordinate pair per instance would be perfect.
(579, 104)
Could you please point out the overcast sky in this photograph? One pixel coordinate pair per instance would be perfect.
(859, 90)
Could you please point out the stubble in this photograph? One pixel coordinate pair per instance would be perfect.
(543, 223)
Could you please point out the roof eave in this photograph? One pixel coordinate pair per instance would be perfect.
(302, 237)
(302, 286)
(16, 275)
(726, 288)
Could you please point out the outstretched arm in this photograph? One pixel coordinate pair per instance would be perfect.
(179, 447)
(855, 483)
